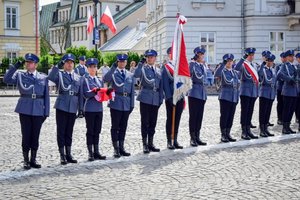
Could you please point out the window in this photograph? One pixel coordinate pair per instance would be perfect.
(207, 41)
(67, 15)
(117, 8)
(73, 34)
(11, 56)
(52, 37)
(11, 17)
(59, 16)
(277, 43)
(85, 33)
(81, 13)
(85, 13)
(77, 37)
(81, 33)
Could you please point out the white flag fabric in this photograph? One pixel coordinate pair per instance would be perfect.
(182, 80)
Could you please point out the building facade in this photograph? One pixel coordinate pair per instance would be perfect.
(225, 26)
(19, 28)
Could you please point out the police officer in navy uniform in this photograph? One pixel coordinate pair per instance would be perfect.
(68, 103)
(197, 96)
(168, 86)
(122, 82)
(279, 85)
(93, 109)
(228, 96)
(298, 98)
(288, 73)
(33, 105)
(248, 91)
(267, 92)
(150, 97)
(81, 69)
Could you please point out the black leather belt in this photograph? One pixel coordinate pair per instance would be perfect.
(71, 93)
(124, 94)
(32, 96)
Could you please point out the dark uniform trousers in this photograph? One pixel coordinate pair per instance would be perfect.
(227, 110)
(196, 109)
(289, 106)
(279, 105)
(247, 108)
(119, 120)
(65, 123)
(93, 125)
(149, 118)
(178, 112)
(265, 108)
(30, 128)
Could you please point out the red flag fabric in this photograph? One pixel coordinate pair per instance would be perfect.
(108, 20)
(182, 80)
(102, 96)
(90, 22)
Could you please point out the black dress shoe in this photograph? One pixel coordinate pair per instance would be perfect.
(250, 134)
(245, 137)
(146, 149)
(34, 164)
(98, 156)
(177, 145)
(269, 124)
(170, 145)
(201, 143)
(26, 165)
(229, 136)
(152, 148)
(267, 131)
(224, 136)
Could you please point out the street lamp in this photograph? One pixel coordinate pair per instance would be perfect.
(96, 31)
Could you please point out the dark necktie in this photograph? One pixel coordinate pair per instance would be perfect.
(152, 68)
(70, 75)
(123, 74)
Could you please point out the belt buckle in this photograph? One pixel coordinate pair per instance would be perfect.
(71, 93)
(33, 96)
(125, 94)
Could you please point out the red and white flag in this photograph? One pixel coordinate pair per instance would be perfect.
(90, 22)
(108, 20)
(182, 80)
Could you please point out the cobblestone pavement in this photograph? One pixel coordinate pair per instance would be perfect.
(265, 170)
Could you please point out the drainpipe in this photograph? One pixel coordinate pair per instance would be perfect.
(243, 27)
(36, 27)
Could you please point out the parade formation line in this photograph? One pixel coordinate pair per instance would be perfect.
(19, 174)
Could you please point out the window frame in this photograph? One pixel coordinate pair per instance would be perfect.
(276, 42)
(11, 6)
(206, 44)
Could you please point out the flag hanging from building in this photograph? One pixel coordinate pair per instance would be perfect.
(90, 22)
(182, 81)
(108, 20)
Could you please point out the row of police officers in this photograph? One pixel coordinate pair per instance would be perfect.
(78, 98)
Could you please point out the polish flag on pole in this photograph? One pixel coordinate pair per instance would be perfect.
(90, 22)
(182, 80)
(108, 20)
